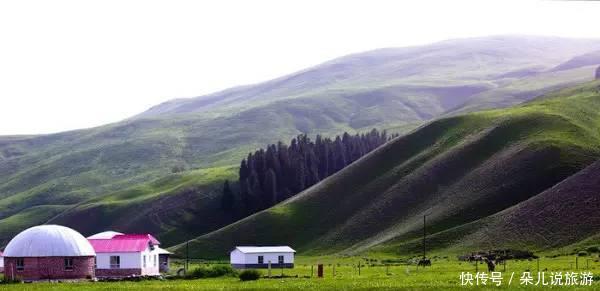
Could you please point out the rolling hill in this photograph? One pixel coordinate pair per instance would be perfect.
(473, 174)
(65, 176)
(562, 217)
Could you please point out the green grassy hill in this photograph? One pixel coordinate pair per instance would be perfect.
(398, 88)
(440, 75)
(457, 170)
(173, 208)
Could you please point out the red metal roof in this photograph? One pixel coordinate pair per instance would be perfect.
(137, 236)
(123, 243)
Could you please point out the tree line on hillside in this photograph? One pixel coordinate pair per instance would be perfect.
(278, 172)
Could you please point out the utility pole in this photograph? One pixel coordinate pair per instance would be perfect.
(187, 255)
(424, 233)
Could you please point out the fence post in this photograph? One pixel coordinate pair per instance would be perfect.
(577, 262)
(587, 263)
(187, 256)
(269, 269)
(359, 268)
(311, 270)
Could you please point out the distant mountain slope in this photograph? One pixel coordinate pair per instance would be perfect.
(173, 208)
(397, 88)
(588, 59)
(479, 62)
(456, 170)
(524, 89)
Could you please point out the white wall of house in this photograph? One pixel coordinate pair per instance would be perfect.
(237, 257)
(1, 262)
(128, 260)
(288, 258)
(132, 261)
(151, 267)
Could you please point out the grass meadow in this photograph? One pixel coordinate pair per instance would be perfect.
(444, 274)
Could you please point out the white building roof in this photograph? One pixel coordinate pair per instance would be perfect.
(109, 234)
(49, 241)
(162, 251)
(273, 249)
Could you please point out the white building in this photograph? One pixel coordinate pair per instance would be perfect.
(163, 260)
(247, 257)
(121, 255)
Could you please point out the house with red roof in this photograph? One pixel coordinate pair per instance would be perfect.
(122, 255)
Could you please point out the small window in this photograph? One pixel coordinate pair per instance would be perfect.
(115, 262)
(95, 262)
(144, 265)
(261, 259)
(69, 264)
(20, 264)
(280, 259)
(155, 256)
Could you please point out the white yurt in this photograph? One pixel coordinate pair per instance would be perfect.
(49, 252)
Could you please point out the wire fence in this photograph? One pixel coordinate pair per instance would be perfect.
(375, 268)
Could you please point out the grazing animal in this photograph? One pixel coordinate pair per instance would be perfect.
(491, 264)
(424, 262)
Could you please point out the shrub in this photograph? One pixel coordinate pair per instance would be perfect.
(223, 270)
(593, 249)
(177, 169)
(250, 275)
(211, 272)
(582, 254)
(13, 281)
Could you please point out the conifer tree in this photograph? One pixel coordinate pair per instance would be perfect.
(227, 200)
(270, 194)
(270, 175)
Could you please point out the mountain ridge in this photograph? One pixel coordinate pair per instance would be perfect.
(378, 57)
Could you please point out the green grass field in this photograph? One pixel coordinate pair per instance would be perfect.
(443, 274)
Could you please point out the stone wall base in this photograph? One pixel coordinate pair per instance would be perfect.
(117, 273)
(262, 266)
(49, 268)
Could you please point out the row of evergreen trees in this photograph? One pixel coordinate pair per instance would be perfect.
(278, 172)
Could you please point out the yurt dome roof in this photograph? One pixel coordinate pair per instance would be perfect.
(109, 234)
(49, 241)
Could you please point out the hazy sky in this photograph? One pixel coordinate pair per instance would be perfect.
(76, 64)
